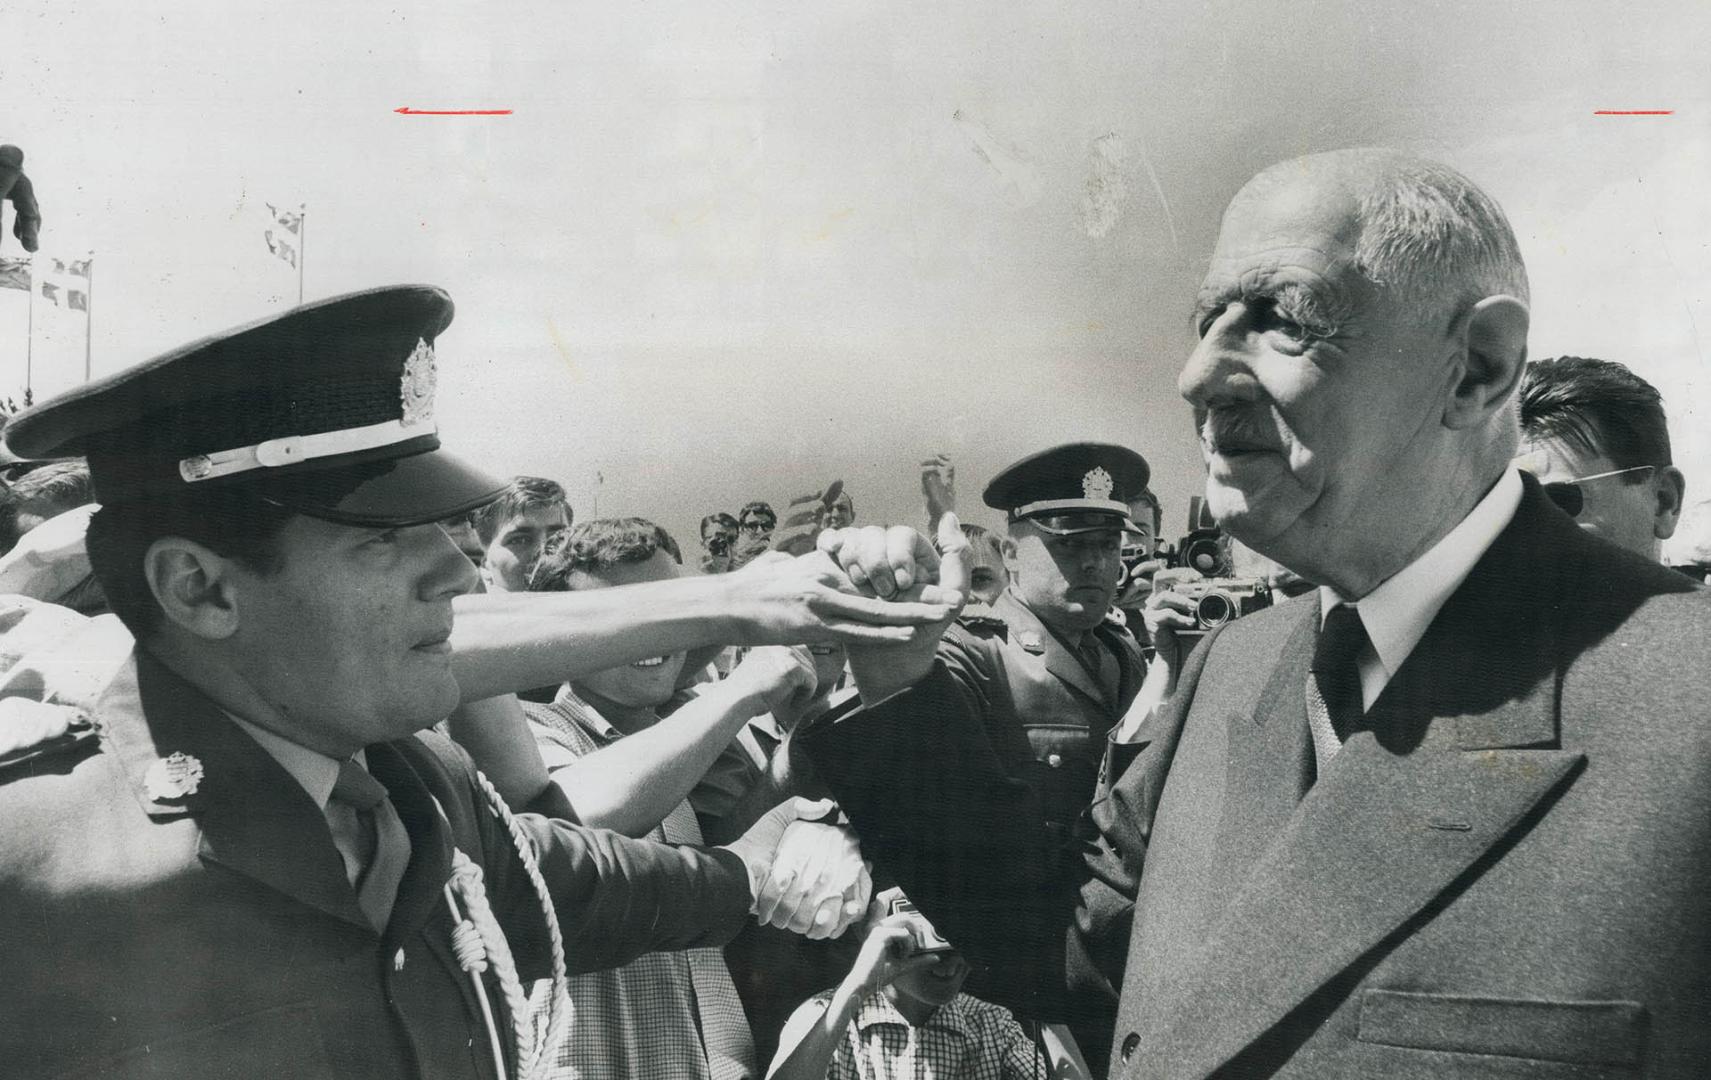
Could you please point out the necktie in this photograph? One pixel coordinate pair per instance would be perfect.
(1334, 706)
(372, 840)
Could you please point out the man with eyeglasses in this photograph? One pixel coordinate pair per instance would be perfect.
(1595, 435)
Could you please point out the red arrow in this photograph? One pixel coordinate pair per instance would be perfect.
(405, 110)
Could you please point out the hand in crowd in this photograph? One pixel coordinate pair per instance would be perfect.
(889, 953)
(1166, 612)
(938, 484)
(780, 600)
(898, 562)
(777, 679)
(25, 722)
(805, 875)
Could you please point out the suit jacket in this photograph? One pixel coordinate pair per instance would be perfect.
(1507, 874)
(216, 935)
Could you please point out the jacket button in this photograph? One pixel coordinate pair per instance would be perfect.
(1130, 1042)
(1054, 760)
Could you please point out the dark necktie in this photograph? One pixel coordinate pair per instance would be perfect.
(1334, 708)
(373, 840)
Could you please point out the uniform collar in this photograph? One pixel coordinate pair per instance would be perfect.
(585, 716)
(315, 771)
(1397, 613)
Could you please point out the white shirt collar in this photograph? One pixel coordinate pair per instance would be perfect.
(314, 770)
(1397, 613)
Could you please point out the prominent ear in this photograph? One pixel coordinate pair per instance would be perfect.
(1669, 488)
(1491, 339)
(194, 586)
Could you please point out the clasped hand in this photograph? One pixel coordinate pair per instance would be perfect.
(805, 874)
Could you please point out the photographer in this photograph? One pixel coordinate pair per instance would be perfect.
(901, 1012)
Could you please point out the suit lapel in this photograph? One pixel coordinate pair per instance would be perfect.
(419, 891)
(256, 820)
(1459, 757)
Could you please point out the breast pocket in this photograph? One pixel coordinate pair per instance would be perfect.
(282, 1041)
(1582, 1038)
(1064, 770)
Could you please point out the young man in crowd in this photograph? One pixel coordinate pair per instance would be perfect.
(900, 1013)
(1595, 435)
(516, 528)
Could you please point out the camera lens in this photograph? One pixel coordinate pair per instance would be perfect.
(1215, 609)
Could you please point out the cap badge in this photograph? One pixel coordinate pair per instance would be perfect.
(416, 385)
(173, 777)
(1097, 484)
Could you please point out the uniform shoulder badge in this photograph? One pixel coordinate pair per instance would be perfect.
(1031, 641)
(172, 777)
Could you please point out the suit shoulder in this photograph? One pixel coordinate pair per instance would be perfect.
(980, 621)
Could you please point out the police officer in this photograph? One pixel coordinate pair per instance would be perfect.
(253, 861)
(1051, 669)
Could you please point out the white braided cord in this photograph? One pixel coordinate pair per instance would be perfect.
(533, 1056)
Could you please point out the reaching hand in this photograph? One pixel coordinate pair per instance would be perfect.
(804, 875)
(938, 484)
(1166, 612)
(888, 954)
(880, 557)
(779, 600)
(775, 678)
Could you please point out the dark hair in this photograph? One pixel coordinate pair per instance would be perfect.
(599, 545)
(1146, 495)
(758, 509)
(1597, 405)
(49, 490)
(721, 518)
(523, 494)
(228, 521)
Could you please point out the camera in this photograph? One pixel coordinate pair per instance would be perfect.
(718, 544)
(927, 939)
(1218, 600)
(1218, 595)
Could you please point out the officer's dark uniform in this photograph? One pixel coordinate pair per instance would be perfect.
(1049, 698)
(173, 902)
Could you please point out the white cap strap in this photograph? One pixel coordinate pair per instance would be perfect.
(1090, 505)
(292, 449)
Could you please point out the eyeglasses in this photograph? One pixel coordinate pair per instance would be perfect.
(756, 525)
(1568, 495)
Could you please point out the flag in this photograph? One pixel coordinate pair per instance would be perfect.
(15, 274)
(64, 282)
(281, 234)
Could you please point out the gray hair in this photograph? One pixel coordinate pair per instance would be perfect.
(1432, 235)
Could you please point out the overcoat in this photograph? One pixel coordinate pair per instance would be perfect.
(1506, 873)
(216, 935)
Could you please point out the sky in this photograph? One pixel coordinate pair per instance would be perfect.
(735, 251)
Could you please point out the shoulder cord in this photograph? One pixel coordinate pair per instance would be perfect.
(478, 940)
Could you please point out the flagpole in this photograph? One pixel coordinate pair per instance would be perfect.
(88, 317)
(30, 333)
(302, 241)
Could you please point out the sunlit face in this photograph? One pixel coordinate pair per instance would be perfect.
(348, 641)
(987, 576)
(1318, 395)
(1621, 509)
(841, 514)
(648, 682)
(1068, 581)
(518, 545)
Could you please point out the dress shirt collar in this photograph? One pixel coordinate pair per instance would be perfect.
(1397, 613)
(587, 715)
(314, 770)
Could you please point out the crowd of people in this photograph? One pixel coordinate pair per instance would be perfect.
(323, 752)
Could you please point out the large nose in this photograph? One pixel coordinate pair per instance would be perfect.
(448, 571)
(1218, 371)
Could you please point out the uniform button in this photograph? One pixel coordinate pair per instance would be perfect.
(1054, 760)
(1130, 1042)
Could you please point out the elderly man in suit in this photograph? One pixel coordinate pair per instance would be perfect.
(1447, 815)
